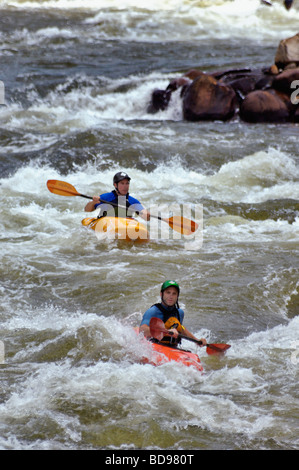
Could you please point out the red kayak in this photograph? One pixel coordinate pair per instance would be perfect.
(162, 353)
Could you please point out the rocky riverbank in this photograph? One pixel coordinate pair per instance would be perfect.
(270, 94)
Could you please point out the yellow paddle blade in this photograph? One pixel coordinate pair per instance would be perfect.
(62, 188)
(182, 225)
(88, 220)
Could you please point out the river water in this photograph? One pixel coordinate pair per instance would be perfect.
(77, 82)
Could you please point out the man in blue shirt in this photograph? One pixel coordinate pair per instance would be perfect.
(118, 201)
(168, 311)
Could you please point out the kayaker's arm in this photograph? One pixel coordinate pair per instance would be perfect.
(145, 214)
(90, 205)
(186, 332)
(145, 329)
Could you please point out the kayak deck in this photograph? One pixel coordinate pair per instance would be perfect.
(163, 353)
(122, 228)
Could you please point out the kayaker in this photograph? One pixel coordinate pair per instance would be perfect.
(169, 311)
(118, 197)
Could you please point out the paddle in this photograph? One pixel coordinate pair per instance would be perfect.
(177, 223)
(158, 330)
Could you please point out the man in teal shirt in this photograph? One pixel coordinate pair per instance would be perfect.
(168, 311)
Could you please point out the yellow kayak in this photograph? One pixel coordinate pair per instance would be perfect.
(122, 228)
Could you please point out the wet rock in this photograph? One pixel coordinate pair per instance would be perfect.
(245, 82)
(159, 101)
(270, 94)
(291, 65)
(287, 84)
(287, 51)
(206, 99)
(273, 70)
(194, 73)
(264, 106)
(177, 83)
(288, 4)
(160, 98)
(242, 82)
(284, 81)
(243, 86)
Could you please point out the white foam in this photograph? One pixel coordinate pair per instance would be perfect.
(140, 20)
(256, 178)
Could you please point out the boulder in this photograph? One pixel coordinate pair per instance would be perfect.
(247, 80)
(193, 73)
(287, 51)
(177, 83)
(264, 106)
(159, 101)
(270, 94)
(242, 86)
(284, 81)
(160, 98)
(288, 4)
(206, 99)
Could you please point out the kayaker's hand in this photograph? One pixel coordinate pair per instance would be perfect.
(90, 205)
(145, 214)
(203, 342)
(145, 329)
(174, 332)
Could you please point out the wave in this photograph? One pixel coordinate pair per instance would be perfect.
(174, 20)
(84, 358)
(256, 178)
(83, 102)
(262, 176)
(253, 198)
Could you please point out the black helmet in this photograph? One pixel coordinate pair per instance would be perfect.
(121, 175)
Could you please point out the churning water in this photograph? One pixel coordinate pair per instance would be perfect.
(77, 81)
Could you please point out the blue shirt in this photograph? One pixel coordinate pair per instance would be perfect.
(154, 311)
(122, 201)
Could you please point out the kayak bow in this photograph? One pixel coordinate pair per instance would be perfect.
(121, 228)
(163, 353)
